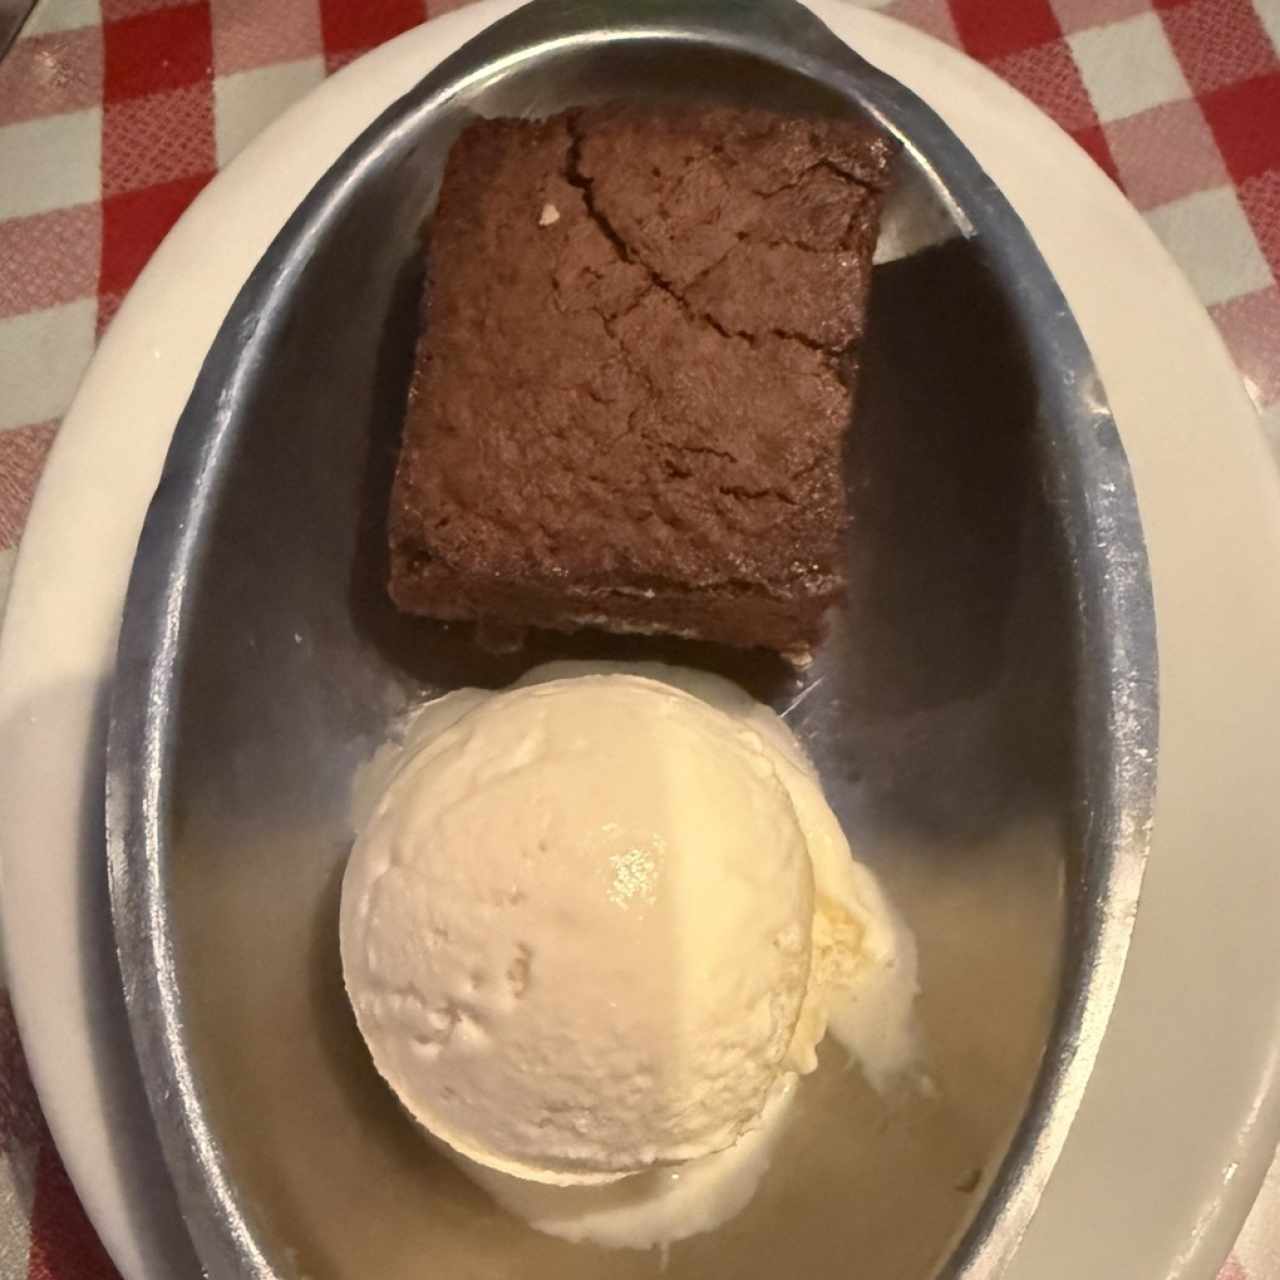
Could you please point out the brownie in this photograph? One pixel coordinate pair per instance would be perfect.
(636, 373)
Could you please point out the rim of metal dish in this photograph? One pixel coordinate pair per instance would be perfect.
(1090, 484)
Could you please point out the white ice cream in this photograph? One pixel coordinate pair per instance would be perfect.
(576, 931)
(591, 929)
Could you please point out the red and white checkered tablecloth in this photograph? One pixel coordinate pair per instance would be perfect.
(114, 113)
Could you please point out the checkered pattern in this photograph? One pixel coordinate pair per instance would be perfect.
(114, 113)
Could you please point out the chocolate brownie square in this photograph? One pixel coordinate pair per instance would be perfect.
(636, 373)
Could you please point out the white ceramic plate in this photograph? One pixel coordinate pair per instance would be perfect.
(1179, 1122)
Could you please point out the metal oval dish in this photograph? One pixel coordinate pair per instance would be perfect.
(984, 714)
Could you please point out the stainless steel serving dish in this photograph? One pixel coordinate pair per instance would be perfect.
(984, 714)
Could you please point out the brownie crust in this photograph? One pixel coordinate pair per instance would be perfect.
(636, 372)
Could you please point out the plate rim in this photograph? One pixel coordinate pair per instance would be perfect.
(872, 29)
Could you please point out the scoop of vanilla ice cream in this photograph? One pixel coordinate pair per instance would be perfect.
(577, 929)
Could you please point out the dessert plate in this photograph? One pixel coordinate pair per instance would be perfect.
(1191, 1210)
(983, 713)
